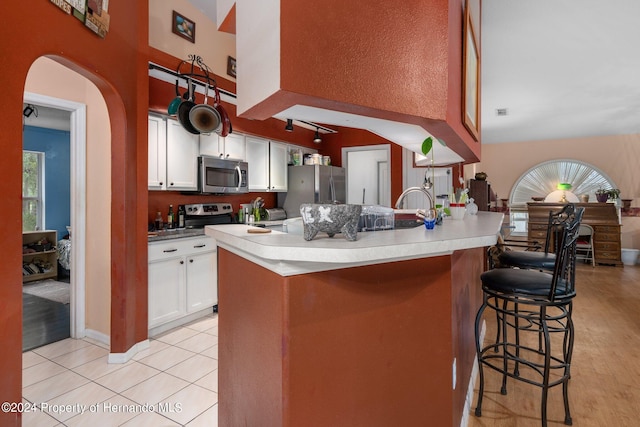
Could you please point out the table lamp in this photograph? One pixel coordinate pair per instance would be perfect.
(564, 187)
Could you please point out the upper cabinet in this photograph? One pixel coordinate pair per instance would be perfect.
(182, 158)
(157, 171)
(230, 147)
(173, 156)
(268, 162)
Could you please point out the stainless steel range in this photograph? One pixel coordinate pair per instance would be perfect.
(201, 214)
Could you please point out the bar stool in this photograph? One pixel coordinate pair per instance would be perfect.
(537, 302)
(540, 260)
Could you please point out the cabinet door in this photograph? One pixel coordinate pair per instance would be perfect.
(166, 291)
(258, 159)
(234, 147)
(157, 175)
(211, 145)
(202, 281)
(278, 162)
(182, 158)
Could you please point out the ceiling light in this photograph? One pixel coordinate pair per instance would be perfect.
(317, 138)
(289, 126)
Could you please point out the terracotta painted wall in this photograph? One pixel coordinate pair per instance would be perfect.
(401, 63)
(47, 77)
(117, 65)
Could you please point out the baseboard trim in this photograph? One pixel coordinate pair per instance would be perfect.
(100, 337)
(125, 357)
(464, 422)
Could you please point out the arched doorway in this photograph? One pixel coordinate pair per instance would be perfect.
(51, 84)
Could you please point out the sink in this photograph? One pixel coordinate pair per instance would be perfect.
(405, 220)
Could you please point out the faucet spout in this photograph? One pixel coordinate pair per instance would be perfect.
(414, 190)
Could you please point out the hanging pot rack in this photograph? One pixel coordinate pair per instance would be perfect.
(191, 72)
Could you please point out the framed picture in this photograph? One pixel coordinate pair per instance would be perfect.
(183, 27)
(231, 66)
(471, 76)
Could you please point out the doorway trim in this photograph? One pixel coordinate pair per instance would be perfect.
(78, 149)
(380, 147)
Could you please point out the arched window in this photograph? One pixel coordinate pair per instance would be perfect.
(543, 179)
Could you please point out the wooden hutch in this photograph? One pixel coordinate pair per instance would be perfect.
(603, 217)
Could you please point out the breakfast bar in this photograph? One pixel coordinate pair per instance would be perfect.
(374, 332)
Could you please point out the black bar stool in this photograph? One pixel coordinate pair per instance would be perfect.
(537, 302)
(541, 260)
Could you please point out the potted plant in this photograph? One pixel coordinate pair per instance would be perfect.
(602, 195)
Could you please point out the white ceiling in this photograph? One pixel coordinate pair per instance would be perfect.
(563, 69)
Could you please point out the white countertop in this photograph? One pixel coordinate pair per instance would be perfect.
(289, 254)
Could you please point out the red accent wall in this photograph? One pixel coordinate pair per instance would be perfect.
(117, 65)
(401, 62)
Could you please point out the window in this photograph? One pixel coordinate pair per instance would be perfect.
(32, 190)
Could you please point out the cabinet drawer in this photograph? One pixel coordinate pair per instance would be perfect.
(607, 237)
(607, 229)
(538, 235)
(604, 255)
(606, 246)
(180, 247)
(542, 227)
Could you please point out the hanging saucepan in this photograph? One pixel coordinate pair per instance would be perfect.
(184, 110)
(204, 117)
(225, 129)
(173, 106)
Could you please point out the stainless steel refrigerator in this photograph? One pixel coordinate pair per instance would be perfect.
(313, 184)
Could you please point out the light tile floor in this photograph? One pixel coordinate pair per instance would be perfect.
(173, 383)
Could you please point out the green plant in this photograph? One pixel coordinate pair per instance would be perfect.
(614, 193)
(602, 191)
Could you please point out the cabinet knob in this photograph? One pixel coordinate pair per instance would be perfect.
(190, 260)
(160, 182)
(181, 262)
(227, 156)
(171, 183)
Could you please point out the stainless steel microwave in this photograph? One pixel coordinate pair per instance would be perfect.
(217, 175)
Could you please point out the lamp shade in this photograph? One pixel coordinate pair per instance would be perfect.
(564, 186)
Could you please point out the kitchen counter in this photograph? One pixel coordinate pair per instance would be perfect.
(288, 254)
(157, 236)
(375, 332)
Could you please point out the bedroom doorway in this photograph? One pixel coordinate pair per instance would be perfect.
(76, 113)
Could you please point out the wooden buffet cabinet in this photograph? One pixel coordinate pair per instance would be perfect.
(603, 217)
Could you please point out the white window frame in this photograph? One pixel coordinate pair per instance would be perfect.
(40, 199)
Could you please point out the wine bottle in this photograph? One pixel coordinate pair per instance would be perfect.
(181, 214)
(170, 218)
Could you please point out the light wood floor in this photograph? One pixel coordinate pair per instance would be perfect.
(605, 386)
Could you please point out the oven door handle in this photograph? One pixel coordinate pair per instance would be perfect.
(239, 177)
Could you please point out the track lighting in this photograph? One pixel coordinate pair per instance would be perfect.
(289, 126)
(317, 138)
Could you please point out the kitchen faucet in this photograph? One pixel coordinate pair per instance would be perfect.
(423, 189)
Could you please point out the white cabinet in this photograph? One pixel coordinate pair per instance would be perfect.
(268, 162)
(183, 280)
(157, 171)
(201, 268)
(230, 147)
(182, 158)
(173, 156)
(278, 162)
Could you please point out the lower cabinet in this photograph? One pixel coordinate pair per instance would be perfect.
(183, 281)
